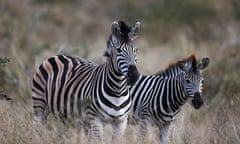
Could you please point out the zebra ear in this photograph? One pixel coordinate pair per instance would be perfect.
(203, 63)
(134, 30)
(115, 28)
(113, 37)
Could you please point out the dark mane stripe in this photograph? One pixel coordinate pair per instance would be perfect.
(124, 29)
(194, 61)
(174, 65)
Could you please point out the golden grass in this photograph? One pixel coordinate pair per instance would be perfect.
(31, 33)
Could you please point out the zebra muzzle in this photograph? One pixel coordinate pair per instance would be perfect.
(132, 75)
(197, 100)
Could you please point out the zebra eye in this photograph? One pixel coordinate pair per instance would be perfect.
(188, 81)
(119, 50)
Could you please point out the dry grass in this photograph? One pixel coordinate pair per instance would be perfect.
(30, 33)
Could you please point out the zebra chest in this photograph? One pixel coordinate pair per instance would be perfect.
(110, 108)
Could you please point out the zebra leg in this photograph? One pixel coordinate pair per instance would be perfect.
(96, 131)
(86, 128)
(40, 116)
(163, 134)
(39, 113)
(119, 130)
(142, 131)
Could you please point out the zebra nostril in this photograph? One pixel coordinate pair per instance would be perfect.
(132, 75)
(197, 100)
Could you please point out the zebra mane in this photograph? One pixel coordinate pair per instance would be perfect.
(175, 67)
(125, 29)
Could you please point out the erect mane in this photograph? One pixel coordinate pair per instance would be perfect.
(124, 30)
(175, 65)
(194, 61)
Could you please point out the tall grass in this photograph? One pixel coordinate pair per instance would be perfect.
(31, 32)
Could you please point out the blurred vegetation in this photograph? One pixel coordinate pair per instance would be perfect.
(200, 19)
(224, 78)
(54, 1)
(171, 11)
(32, 30)
(164, 12)
(236, 9)
(3, 61)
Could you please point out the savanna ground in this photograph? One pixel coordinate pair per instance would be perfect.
(32, 30)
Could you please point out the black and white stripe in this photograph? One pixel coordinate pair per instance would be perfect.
(72, 87)
(157, 98)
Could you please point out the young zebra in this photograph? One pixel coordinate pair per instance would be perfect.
(157, 99)
(72, 87)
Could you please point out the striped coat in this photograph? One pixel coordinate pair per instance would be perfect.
(157, 99)
(71, 87)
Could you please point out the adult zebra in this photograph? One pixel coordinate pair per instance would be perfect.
(157, 98)
(72, 87)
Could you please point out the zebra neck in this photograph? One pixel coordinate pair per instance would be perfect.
(169, 95)
(113, 68)
(114, 82)
(176, 94)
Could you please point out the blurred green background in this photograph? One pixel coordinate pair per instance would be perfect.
(33, 30)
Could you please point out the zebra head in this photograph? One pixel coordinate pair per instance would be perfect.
(122, 50)
(193, 79)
